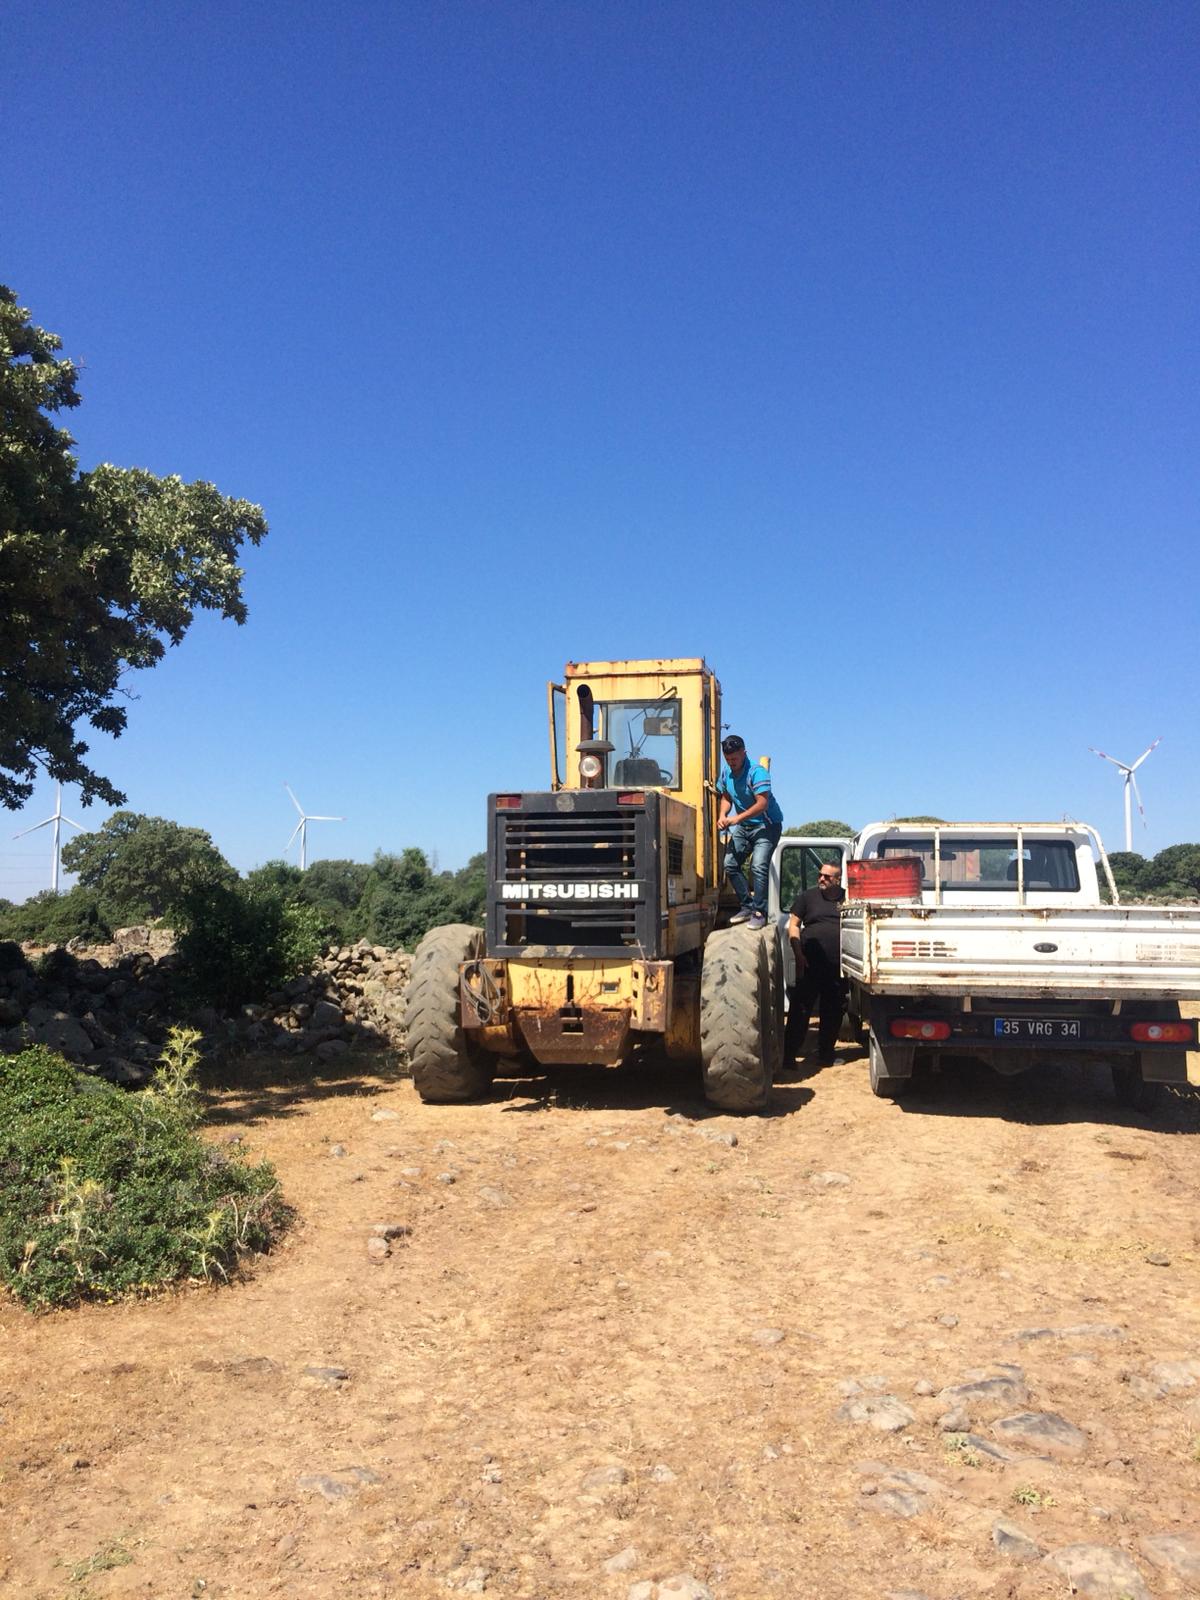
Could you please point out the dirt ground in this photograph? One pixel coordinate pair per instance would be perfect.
(622, 1327)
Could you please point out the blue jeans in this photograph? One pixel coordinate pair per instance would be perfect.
(757, 842)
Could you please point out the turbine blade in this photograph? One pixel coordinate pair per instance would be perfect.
(315, 818)
(1104, 757)
(295, 802)
(1144, 754)
(1138, 797)
(71, 824)
(34, 829)
(295, 831)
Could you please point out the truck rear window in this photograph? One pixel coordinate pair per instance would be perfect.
(992, 863)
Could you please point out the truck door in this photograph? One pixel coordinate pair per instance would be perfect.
(794, 868)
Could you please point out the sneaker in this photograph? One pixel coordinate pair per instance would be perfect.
(744, 915)
(756, 920)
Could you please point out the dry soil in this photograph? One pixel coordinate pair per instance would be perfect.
(622, 1327)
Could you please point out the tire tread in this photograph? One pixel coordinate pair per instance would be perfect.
(738, 1006)
(446, 1066)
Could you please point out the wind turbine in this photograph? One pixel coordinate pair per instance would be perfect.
(301, 828)
(1129, 769)
(57, 819)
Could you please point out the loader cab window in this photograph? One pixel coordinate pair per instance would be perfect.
(798, 869)
(646, 737)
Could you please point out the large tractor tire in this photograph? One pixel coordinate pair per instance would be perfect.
(770, 937)
(447, 1064)
(739, 1033)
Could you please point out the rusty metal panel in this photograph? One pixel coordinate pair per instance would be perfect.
(482, 994)
(540, 985)
(587, 981)
(651, 1000)
(682, 1038)
(595, 1038)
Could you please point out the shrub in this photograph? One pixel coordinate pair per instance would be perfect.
(50, 918)
(403, 899)
(12, 957)
(1128, 870)
(1174, 872)
(240, 940)
(105, 1194)
(335, 887)
(56, 965)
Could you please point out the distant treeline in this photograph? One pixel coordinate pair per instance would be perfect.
(138, 869)
(1173, 874)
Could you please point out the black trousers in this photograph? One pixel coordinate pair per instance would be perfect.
(819, 986)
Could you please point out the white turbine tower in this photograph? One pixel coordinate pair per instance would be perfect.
(301, 828)
(1129, 768)
(57, 819)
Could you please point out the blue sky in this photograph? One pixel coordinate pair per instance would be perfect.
(852, 346)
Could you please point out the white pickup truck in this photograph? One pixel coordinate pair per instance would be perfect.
(1007, 953)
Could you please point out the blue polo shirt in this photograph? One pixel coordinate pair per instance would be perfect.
(744, 789)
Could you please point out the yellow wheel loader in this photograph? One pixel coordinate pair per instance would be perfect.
(603, 905)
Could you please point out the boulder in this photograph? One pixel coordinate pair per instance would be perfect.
(1099, 1571)
(1177, 1553)
(1042, 1433)
(66, 1034)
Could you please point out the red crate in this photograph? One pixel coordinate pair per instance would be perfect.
(884, 878)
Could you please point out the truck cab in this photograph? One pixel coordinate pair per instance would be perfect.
(1047, 866)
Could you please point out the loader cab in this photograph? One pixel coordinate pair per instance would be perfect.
(640, 725)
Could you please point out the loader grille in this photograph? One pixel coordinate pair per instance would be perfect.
(582, 878)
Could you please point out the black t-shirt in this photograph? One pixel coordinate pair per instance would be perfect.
(820, 922)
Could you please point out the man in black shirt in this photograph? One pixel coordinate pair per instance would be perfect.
(815, 931)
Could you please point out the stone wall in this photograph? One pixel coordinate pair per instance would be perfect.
(109, 1008)
(354, 995)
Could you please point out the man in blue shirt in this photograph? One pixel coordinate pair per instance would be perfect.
(750, 814)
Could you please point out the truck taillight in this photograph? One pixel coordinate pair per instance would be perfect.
(1162, 1032)
(507, 802)
(918, 1028)
(633, 799)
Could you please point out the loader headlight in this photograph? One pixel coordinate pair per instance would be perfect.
(590, 767)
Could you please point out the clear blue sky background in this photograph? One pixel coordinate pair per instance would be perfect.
(852, 346)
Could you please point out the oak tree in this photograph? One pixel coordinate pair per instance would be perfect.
(100, 570)
(140, 866)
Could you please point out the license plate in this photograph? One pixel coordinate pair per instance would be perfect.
(1038, 1028)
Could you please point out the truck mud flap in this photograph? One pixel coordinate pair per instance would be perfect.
(1163, 1066)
